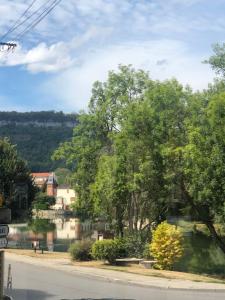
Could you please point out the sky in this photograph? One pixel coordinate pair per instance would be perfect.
(56, 64)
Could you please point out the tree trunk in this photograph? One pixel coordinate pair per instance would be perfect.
(119, 219)
(215, 236)
(219, 241)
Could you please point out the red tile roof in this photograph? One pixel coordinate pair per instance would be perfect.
(41, 174)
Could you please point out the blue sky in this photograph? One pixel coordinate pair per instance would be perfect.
(55, 65)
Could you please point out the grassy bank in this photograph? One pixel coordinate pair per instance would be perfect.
(134, 269)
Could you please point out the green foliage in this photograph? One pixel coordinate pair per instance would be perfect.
(43, 201)
(108, 250)
(134, 245)
(63, 176)
(217, 61)
(146, 253)
(146, 150)
(13, 173)
(41, 226)
(35, 139)
(166, 245)
(81, 250)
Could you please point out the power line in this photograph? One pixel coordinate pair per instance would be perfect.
(40, 11)
(36, 21)
(18, 20)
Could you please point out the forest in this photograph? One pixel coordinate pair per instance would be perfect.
(35, 144)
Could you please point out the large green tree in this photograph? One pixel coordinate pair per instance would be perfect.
(93, 136)
(13, 172)
(148, 149)
(204, 165)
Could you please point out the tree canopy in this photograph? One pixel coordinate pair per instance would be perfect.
(13, 174)
(146, 150)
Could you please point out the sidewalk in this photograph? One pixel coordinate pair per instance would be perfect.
(65, 265)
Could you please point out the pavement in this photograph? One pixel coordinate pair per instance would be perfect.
(110, 275)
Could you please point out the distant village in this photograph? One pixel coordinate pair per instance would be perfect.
(64, 195)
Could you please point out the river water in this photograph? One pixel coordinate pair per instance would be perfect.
(53, 235)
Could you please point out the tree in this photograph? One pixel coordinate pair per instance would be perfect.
(166, 246)
(63, 176)
(217, 61)
(13, 173)
(43, 201)
(148, 149)
(92, 136)
(204, 161)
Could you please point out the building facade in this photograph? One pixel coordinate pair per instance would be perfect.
(65, 197)
(46, 182)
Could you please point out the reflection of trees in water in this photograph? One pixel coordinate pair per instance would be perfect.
(41, 226)
(201, 255)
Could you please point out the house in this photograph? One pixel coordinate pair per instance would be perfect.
(46, 181)
(65, 196)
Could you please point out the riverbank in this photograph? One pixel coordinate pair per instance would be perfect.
(135, 273)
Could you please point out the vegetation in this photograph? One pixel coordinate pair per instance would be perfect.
(35, 140)
(37, 116)
(108, 250)
(151, 150)
(14, 175)
(63, 176)
(43, 201)
(41, 226)
(135, 246)
(166, 245)
(81, 251)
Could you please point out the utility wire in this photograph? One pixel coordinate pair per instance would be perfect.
(39, 10)
(18, 20)
(36, 21)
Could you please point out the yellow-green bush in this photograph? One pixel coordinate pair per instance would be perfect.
(166, 246)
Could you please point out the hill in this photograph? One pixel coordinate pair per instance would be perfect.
(37, 135)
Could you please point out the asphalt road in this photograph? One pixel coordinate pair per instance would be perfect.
(40, 283)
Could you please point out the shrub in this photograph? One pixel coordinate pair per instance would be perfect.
(166, 246)
(134, 246)
(146, 252)
(81, 251)
(108, 250)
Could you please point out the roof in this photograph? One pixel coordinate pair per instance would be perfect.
(41, 174)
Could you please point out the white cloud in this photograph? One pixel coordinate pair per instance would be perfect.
(53, 58)
(38, 59)
(72, 88)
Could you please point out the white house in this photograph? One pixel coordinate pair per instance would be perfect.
(65, 196)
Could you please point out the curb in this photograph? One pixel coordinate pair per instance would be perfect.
(124, 281)
(152, 286)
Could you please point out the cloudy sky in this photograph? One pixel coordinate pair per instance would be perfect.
(55, 65)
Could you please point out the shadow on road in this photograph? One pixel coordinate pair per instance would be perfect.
(98, 299)
(22, 294)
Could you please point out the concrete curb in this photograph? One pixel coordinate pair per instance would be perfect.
(119, 276)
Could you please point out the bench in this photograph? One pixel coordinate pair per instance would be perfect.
(128, 261)
(148, 264)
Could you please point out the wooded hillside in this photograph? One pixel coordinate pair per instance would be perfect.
(37, 135)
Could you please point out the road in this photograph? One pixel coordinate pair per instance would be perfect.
(40, 283)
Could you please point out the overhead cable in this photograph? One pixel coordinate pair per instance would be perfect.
(37, 20)
(14, 26)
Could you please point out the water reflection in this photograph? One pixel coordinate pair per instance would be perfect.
(54, 235)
